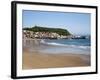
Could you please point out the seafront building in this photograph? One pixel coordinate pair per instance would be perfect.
(48, 35)
(42, 35)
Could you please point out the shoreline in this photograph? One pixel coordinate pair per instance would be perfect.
(37, 55)
(54, 47)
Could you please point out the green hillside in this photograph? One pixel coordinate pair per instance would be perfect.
(45, 29)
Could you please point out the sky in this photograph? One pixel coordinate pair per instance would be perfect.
(75, 23)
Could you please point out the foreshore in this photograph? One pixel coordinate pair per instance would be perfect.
(37, 60)
(33, 58)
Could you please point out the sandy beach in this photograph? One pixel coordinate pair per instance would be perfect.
(34, 58)
(37, 60)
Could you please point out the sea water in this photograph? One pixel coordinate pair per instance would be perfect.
(58, 46)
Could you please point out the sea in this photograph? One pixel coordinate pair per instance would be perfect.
(58, 46)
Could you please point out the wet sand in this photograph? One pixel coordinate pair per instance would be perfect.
(36, 60)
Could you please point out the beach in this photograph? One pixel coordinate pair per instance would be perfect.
(35, 59)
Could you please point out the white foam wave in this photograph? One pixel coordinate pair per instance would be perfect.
(84, 47)
(56, 44)
(52, 43)
(65, 45)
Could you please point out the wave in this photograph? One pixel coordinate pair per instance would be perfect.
(64, 45)
(81, 47)
(52, 43)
